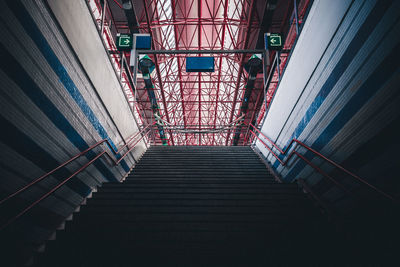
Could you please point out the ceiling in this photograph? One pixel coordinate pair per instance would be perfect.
(199, 103)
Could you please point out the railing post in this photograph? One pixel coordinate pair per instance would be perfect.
(103, 17)
(278, 56)
(296, 17)
(121, 70)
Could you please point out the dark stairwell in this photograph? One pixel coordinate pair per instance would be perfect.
(195, 206)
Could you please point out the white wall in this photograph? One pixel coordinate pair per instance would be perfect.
(78, 26)
(329, 97)
(59, 95)
(320, 26)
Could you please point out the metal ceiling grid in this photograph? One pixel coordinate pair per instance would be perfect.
(202, 101)
(198, 100)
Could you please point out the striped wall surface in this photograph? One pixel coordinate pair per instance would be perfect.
(340, 95)
(50, 110)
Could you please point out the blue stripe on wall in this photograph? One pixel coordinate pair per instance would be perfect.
(388, 68)
(27, 148)
(33, 31)
(362, 35)
(385, 142)
(15, 71)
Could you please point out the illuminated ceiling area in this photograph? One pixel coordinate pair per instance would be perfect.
(197, 108)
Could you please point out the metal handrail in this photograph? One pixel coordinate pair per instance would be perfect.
(294, 152)
(105, 152)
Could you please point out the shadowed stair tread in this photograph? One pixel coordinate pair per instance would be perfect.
(188, 206)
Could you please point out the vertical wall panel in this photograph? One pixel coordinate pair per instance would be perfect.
(57, 99)
(350, 96)
(84, 38)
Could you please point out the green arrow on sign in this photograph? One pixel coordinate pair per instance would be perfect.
(124, 42)
(274, 40)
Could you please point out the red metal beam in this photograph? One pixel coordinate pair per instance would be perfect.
(118, 4)
(220, 66)
(157, 68)
(194, 22)
(199, 42)
(179, 63)
(260, 93)
(249, 20)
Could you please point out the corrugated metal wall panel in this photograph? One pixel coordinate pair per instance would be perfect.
(50, 112)
(85, 40)
(306, 55)
(350, 97)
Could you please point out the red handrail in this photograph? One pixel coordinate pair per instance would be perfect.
(105, 152)
(297, 142)
(74, 158)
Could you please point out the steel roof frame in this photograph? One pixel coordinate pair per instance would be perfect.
(215, 93)
(225, 29)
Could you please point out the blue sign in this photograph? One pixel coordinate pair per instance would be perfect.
(199, 64)
(143, 42)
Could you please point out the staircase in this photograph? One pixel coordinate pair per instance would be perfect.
(192, 206)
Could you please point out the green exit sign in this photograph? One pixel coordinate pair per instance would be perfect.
(124, 42)
(273, 41)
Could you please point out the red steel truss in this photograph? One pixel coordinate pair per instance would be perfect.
(197, 101)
